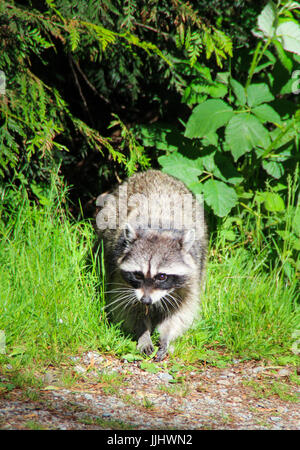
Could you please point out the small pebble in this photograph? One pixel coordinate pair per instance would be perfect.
(165, 376)
(237, 399)
(74, 358)
(224, 382)
(79, 369)
(283, 372)
(47, 378)
(258, 369)
(236, 361)
(223, 391)
(210, 400)
(281, 409)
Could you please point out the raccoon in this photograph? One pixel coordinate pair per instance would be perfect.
(154, 237)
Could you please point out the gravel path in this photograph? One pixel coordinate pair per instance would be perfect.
(111, 394)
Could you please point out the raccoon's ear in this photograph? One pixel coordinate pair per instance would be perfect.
(129, 233)
(188, 239)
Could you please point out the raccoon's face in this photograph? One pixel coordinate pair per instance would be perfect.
(155, 263)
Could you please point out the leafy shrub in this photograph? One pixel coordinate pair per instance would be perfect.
(239, 147)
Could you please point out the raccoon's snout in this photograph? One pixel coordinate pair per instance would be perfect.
(146, 299)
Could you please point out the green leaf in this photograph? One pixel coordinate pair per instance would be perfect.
(39, 193)
(228, 235)
(266, 19)
(266, 114)
(273, 168)
(218, 90)
(296, 222)
(289, 36)
(220, 197)
(279, 187)
(160, 136)
(207, 117)
(211, 139)
(223, 77)
(208, 160)
(273, 202)
(239, 91)
(243, 132)
(192, 97)
(149, 367)
(196, 188)
(296, 246)
(258, 93)
(220, 165)
(130, 357)
(213, 89)
(288, 270)
(284, 59)
(181, 167)
(225, 170)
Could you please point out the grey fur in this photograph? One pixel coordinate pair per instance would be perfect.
(137, 247)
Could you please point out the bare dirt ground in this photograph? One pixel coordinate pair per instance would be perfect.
(112, 394)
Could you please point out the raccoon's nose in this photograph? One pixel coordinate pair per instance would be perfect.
(146, 299)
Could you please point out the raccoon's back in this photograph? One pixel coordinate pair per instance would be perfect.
(154, 182)
(155, 188)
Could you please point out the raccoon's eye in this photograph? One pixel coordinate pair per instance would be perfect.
(138, 275)
(161, 277)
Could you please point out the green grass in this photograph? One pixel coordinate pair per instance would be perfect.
(269, 388)
(51, 296)
(245, 310)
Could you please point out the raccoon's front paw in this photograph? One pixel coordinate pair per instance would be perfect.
(148, 349)
(162, 352)
(145, 344)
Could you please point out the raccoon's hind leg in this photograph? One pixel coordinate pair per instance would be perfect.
(144, 338)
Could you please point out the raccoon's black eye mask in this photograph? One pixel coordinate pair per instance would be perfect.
(160, 281)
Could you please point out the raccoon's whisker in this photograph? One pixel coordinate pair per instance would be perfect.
(120, 294)
(172, 300)
(123, 299)
(133, 301)
(167, 302)
(165, 306)
(118, 300)
(120, 286)
(177, 299)
(117, 290)
(120, 304)
(128, 295)
(124, 307)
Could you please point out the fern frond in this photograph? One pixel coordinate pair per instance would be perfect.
(73, 28)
